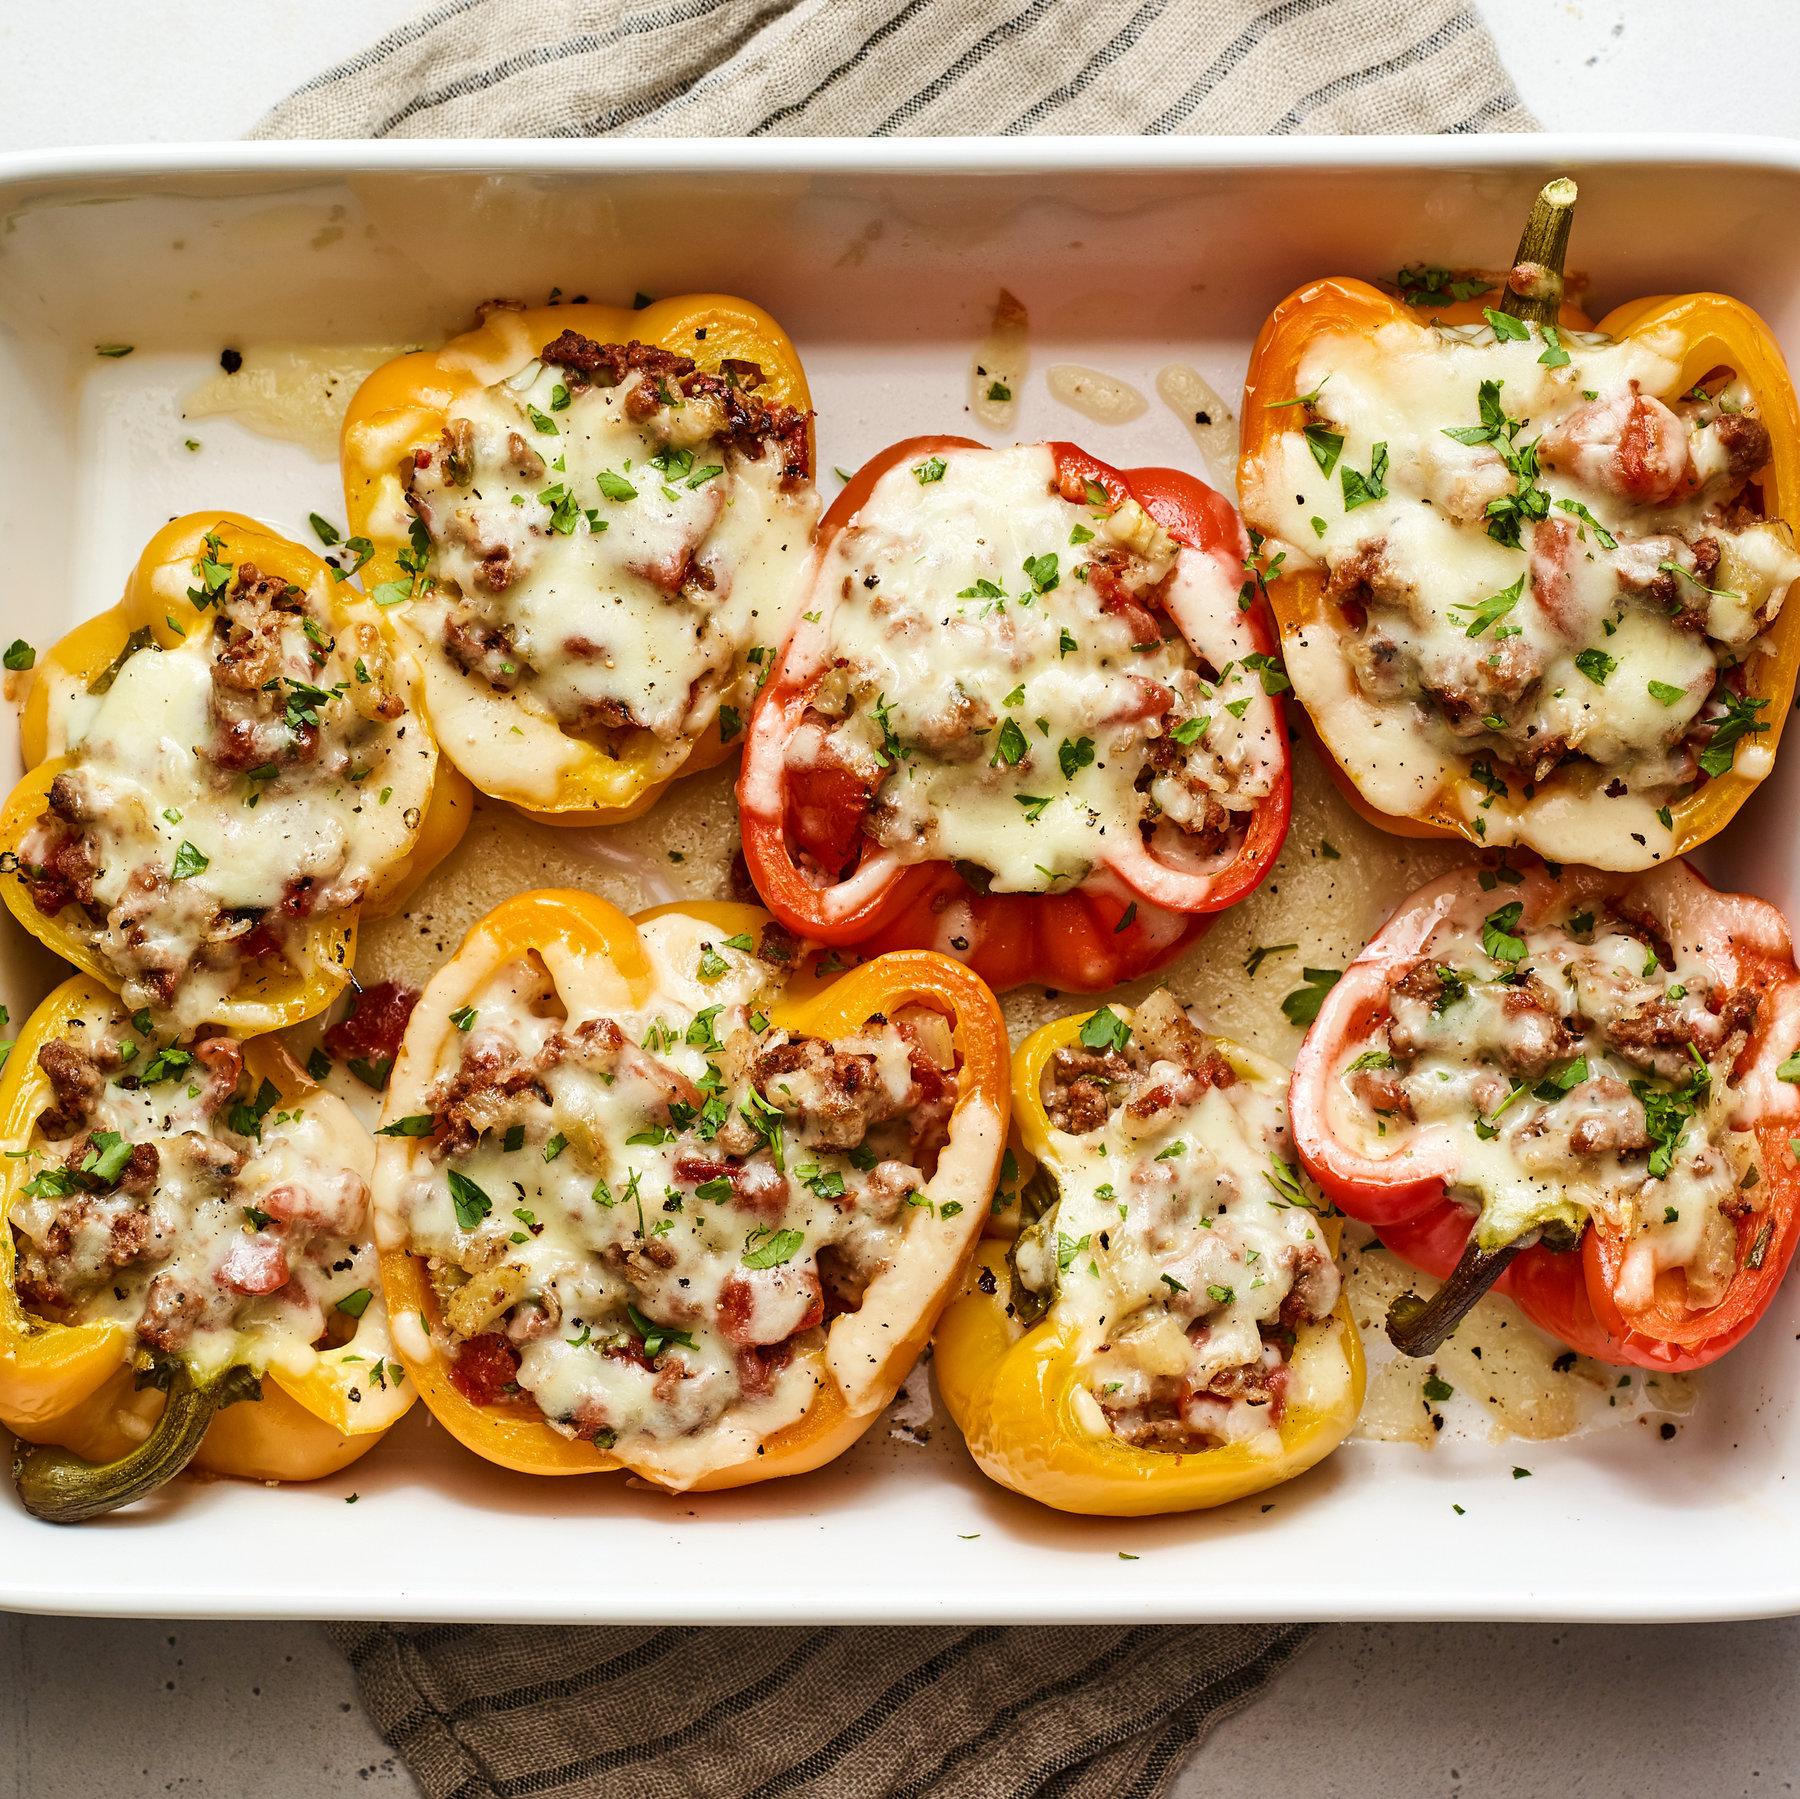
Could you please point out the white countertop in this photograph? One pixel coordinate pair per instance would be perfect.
(1407, 1712)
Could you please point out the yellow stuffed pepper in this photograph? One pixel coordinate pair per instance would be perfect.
(1166, 1331)
(591, 524)
(185, 1274)
(1533, 576)
(653, 1194)
(226, 769)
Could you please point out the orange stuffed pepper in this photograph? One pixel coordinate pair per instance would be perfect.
(226, 771)
(185, 1274)
(1530, 572)
(591, 524)
(653, 1195)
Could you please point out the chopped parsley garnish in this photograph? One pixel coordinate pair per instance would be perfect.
(1010, 746)
(1262, 952)
(414, 1124)
(20, 655)
(1602, 536)
(188, 863)
(1104, 1030)
(1491, 610)
(775, 1249)
(1360, 489)
(1596, 665)
(353, 1305)
(931, 469)
(1075, 756)
(1326, 446)
(1301, 1006)
(1740, 720)
(472, 1205)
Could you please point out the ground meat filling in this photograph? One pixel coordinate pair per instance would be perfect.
(1182, 1244)
(634, 1223)
(608, 535)
(1005, 685)
(1582, 1067)
(173, 1193)
(217, 793)
(1552, 567)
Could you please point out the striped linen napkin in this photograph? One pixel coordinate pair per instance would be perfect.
(494, 1712)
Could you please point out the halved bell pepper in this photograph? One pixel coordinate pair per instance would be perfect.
(1132, 913)
(1565, 1273)
(591, 948)
(1707, 332)
(155, 609)
(1012, 1389)
(113, 1422)
(402, 407)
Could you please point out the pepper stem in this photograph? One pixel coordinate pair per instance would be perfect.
(61, 1488)
(1534, 288)
(1417, 1326)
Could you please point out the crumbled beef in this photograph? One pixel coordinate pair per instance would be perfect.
(171, 1313)
(1657, 1035)
(1747, 444)
(57, 867)
(1078, 1086)
(750, 424)
(76, 1083)
(479, 647)
(833, 1097)
(476, 1096)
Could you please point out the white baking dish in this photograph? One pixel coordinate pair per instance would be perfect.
(881, 260)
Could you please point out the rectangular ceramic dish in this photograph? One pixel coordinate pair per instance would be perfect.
(882, 260)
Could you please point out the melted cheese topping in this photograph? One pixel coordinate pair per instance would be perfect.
(594, 574)
(207, 788)
(1573, 1070)
(647, 1232)
(995, 676)
(202, 1215)
(1538, 584)
(1182, 1250)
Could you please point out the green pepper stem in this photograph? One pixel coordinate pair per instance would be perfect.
(1534, 288)
(1417, 1326)
(61, 1488)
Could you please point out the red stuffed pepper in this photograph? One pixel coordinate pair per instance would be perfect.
(1577, 1088)
(1029, 717)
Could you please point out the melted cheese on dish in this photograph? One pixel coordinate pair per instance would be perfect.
(642, 1218)
(997, 673)
(263, 771)
(598, 563)
(1580, 1069)
(171, 1193)
(1542, 573)
(1182, 1253)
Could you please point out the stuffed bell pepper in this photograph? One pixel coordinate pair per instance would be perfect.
(188, 1276)
(1167, 1330)
(1577, 1088)
(590, 524)
(1028, 718)
(226, 770)
(650, 1196)
(1530, 574)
